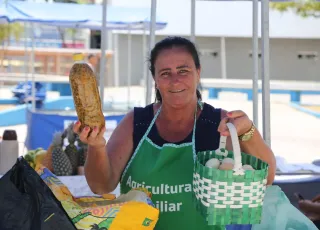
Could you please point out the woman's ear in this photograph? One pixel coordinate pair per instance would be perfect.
(155, 82)
(198, 74)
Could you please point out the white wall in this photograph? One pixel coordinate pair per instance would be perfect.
(284, 61)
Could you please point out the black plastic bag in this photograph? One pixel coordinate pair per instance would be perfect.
(27, 203)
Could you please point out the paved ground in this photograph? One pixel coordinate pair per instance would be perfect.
(294, 134)
(313, 108)
(4, 107)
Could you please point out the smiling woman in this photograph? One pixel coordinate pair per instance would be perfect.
(187, 66)
(154, 147)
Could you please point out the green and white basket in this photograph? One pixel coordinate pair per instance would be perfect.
(235, 196)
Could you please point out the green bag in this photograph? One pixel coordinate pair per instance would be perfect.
(235, 196)
(279, 214)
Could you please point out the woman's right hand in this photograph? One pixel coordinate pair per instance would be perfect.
(96, 138)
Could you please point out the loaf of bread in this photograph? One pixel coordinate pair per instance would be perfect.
(86, 96)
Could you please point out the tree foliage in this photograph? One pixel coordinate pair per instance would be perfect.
(303, 8)
(7, 31)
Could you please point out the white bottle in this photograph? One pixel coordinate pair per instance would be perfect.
(9, 153)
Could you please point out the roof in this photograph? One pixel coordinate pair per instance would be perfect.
(82, 16)
(226, 18)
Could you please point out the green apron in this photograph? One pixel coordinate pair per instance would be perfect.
(167, 173)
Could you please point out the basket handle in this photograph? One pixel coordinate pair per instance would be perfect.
(237, 168)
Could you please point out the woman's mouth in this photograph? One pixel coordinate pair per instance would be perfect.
(176, 91)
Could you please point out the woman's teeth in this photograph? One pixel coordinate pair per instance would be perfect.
(176, 91)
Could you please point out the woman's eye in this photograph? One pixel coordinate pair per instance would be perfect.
(183, 71)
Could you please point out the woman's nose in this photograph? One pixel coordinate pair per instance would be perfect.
(175, 78)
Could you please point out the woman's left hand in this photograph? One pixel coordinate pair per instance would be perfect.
(239, 119)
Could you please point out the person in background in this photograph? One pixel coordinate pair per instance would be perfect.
(93, 61)
(311, 208)
(154, 146)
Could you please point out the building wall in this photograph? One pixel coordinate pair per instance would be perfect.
(285, 63)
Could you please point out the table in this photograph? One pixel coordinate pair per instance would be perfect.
(307, 185)
(78, 186)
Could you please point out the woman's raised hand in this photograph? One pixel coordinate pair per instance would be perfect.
(239, 119)
(95, 138)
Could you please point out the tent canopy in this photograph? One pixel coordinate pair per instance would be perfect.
(9, 14)
(78, 15)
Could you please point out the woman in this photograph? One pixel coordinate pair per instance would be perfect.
(154, 146)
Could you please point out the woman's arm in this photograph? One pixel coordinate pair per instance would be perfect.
(258, 148)
(104, 165)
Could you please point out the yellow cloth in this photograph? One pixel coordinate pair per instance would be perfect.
(103, 212)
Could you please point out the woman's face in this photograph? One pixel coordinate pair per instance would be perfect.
(176, 76)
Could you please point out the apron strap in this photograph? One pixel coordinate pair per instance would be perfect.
(200, 104)
(140, 143)
(151, 124)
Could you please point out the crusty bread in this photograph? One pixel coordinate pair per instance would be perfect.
(86, 96)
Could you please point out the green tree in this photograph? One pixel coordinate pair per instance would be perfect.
(8, 31)
(303, 8)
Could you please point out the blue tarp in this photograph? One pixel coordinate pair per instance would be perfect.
(77, 15)
(42, 126)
